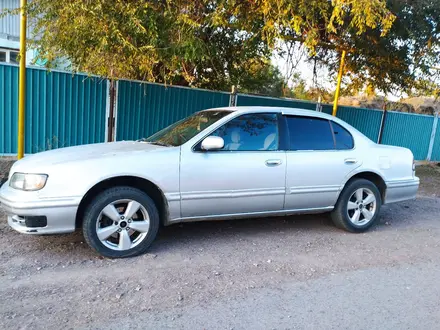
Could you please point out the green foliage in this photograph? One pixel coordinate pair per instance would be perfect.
(402, 60)
(300, 90)
(203, 43)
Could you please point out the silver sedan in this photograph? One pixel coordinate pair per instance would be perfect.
(216, 164)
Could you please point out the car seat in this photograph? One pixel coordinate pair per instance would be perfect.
(235, 140)
(270, 142)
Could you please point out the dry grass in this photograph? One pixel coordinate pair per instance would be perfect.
(429, 179)
(5, 165)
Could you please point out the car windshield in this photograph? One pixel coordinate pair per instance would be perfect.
(185, 129)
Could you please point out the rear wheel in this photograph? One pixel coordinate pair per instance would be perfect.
(121, 222)
(358, 206)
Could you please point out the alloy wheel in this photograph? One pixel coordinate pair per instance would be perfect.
(361, 207)
(122, 224)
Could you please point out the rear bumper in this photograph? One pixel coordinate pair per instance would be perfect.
(401, 190)
(59, 212)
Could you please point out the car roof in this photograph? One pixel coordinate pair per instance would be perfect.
(283, 110)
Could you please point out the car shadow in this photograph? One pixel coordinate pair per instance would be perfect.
(225, 232)
(188, 236)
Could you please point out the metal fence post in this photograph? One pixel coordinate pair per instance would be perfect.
(111, 109)
(319, 105)
(115, 112)
(432, 140)
(107, 110)
(233, 97)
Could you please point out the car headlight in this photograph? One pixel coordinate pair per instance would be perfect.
(25, 181)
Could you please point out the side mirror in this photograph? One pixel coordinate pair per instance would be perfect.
(213, 143)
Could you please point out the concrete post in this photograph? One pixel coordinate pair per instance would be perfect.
(432, 140)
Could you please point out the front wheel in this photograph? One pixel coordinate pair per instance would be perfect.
(121, 222)
(358, 206)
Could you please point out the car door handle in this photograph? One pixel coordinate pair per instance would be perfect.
(350, 161)
(273, 162)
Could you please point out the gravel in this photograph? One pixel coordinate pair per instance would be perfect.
(285, 272)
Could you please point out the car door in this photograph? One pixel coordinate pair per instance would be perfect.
(246, 176)
(321, 153)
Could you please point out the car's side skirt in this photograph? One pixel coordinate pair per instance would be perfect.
(252, 215)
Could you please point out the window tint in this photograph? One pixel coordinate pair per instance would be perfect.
(343, 138)
(250, 132)
(307, 133)
(185, 129)
(2, 56)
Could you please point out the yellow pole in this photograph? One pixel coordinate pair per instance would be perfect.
(22, 80)
(338, 86)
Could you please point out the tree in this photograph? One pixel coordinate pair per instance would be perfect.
(300, 90)
(205, 43)
(401, 60)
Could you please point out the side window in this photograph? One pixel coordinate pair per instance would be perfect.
(308, 133)
(250, 132)
(343, 138)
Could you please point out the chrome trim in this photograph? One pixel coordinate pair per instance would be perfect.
(314, 189)
(350, 160)
(273, 162)
(172, 197)
(403, 183)
(232, 193)
(253, 214)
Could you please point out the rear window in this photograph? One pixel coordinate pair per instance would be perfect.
(343, 138)
(308, 133)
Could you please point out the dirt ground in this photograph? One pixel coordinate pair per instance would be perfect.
(205, 275)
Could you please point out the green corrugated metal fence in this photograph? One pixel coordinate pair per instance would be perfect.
(366, 121)
(410, 131)
(61, 109)
(145, 108)
(253, 100)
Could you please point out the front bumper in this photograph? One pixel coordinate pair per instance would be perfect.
(401, 190)
(59, 212)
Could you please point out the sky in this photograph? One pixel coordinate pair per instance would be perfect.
(324, 78)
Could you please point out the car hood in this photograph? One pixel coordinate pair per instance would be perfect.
(84, 153)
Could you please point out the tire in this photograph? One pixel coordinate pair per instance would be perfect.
(105, 215)
(348, 208)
